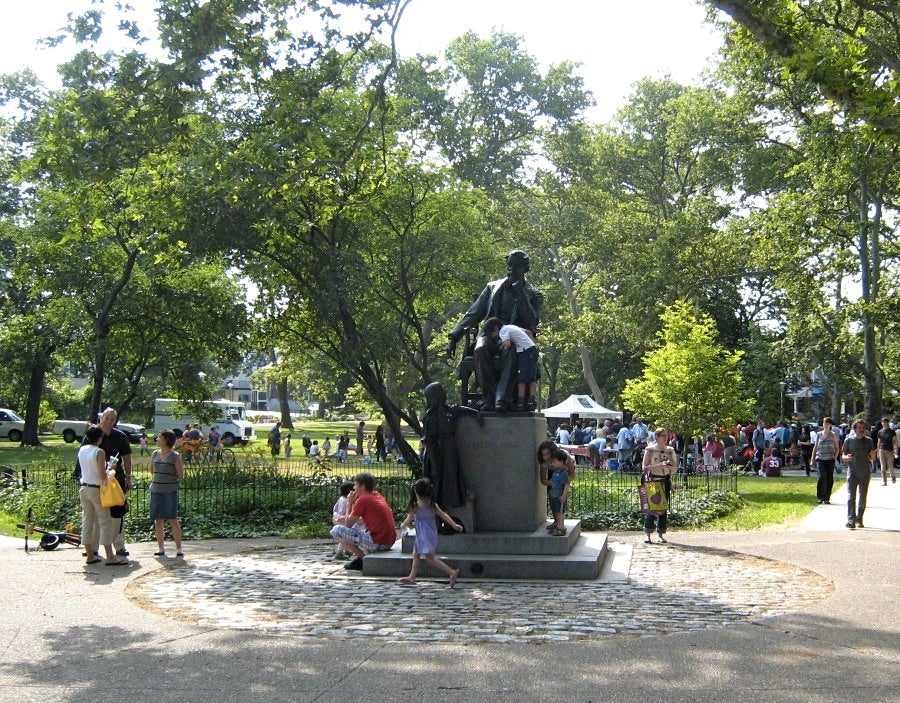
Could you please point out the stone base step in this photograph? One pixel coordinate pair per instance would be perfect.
(583, 562)
(537, 542)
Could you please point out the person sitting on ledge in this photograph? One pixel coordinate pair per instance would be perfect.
(370, 525)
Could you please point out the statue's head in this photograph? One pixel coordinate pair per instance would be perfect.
(517, 263)
(435, 395)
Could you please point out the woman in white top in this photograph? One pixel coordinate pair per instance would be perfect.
(96, 523)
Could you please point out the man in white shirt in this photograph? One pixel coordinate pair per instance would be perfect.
(623, 444)
(640, 431)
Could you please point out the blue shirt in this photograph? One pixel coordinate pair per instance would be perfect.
(558, 480)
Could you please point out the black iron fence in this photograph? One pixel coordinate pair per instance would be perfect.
(277, 493)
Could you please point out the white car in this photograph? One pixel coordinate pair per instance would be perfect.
(12, 426)
(73, 430)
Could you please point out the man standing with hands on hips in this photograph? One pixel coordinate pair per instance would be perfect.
(858, 453)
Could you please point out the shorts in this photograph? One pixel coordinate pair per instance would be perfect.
(358, 536)
(527, 363)
(557, 505)
(164, 506)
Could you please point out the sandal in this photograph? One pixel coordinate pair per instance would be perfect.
(117, 562)
(93, 561)
(454, 577)
(662, 540)
(558, 533)
(159, 554)
(406, 581)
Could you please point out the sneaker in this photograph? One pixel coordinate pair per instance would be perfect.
(122, 552)
(859, 523)
(355, 565)
(851, 524)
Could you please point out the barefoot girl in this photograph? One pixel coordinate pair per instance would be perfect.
(425, 512)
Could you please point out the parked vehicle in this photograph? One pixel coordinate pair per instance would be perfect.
(73, 430)
(231, 419)
(12, 425)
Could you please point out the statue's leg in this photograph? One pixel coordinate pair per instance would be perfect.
(503, 393)
(484, 371)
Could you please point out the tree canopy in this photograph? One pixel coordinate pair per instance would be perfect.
(279, 181)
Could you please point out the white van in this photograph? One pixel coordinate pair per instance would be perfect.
(12, 426)
(231, 423)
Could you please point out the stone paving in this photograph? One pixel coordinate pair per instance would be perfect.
(300, 591)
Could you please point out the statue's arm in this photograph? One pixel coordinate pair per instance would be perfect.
(459, 410)
(474, 314)
(472, 317)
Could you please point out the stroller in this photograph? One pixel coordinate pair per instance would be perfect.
(746, 455)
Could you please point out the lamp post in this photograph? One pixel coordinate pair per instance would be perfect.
(781, 407)
(229, 384)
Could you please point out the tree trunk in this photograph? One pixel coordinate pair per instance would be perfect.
(870, 276)
(282, 387)
(39, 366)
(551, 364)
(587, 370)
(97, 380)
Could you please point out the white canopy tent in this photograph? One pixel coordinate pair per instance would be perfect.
(583, 406)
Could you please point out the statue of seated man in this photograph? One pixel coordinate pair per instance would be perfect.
(515, 301)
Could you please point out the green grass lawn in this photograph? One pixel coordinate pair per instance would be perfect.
(769, 502)
(52, 447)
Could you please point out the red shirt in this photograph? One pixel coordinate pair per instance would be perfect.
(373, 509)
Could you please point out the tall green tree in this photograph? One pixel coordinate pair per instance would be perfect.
(848, 50)
(824, 226)
(633, 216)
(690, 383)
(494, 106)
(101, 235)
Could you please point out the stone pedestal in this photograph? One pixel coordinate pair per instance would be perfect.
(499, 461)
(509, 513)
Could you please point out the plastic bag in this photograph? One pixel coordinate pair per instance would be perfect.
(111, 493)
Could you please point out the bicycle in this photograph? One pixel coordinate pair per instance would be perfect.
(205, 453)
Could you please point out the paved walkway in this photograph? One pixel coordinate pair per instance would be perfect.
(802, 613)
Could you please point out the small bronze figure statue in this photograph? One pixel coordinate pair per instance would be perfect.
(441, 461)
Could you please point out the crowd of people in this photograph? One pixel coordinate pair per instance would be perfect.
(363, 522)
